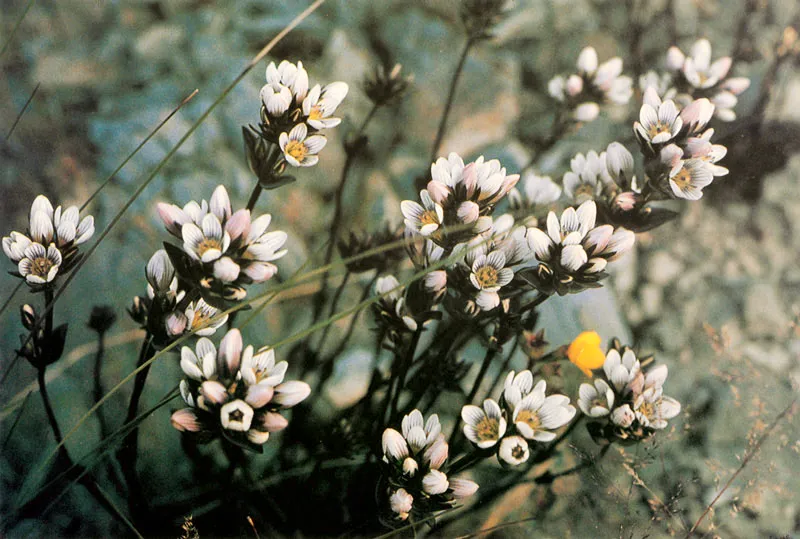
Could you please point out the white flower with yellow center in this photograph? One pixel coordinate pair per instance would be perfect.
(425, 218)
(321, 103)
(698, 69)
(536, 191)
(596, 400)
(621, 369)
(483, 427)
(588, 176)
(537, 415)
(687, 177)
(488, 276)
(659, 121)
(651, 407)
(700, 147)
(516, 386)
(39, 265)
(203, 318)
(299, 149)
(207, 242)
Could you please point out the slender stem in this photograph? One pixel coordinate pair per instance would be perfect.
(351, 152)
(589, 463)
(467, 461)
(98, 385)
(450, 98)
(251, 203)
(22, 111)
(334, 303)
(48, 323)
(129, 452)
(51, 416)
(403, 371)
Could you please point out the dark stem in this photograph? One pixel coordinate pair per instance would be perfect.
(403, 371)
(98, 385)
(129, 452)
(450, 98)
(351, 151)
(467, 461)
(504, 367)
(51, 416)
(334, 303)
(48, 323)
(251, 203)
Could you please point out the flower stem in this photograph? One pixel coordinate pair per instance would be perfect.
(403, 371)
(251, 202)
(450, 97)
(351, 152)
(128, 453)
(98, 386)
(334, 303)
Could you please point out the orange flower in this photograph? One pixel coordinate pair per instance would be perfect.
(585, 352)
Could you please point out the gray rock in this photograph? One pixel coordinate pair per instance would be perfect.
(764, 311)
(663, 268)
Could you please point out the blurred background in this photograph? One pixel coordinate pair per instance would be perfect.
(713, 294)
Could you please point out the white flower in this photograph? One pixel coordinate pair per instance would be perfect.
(207, 242)
(621, 370)
(623, 416)
(596, 400)
(488, 276)
(651, 407)
(696, 115)
(291, 76)
(261, 369)
(606, 77)
(289, 394)
(463, 488)
(513, 450)
(576, 244)
(299, 149)
(659, 121)
(661, 83)
(483, 427)
(200, 364)
(320, 104)
(425, 218)
(276, 98)
(236, 415)
(401, 502)
(516, 387)
(435, 482)
(482, 182)
(588, 177)
(39, 265)
(698, 69)
(394, 445)
(393, 303)
(419, 433)
(687, 177)
(536, 415)
(538, 191)
(586, 112)
(700, 147)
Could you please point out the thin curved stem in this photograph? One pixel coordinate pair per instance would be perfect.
(450, 98)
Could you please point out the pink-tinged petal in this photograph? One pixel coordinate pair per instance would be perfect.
(259, 395)
(214, 392)
(186, 420)
(291, 393)
(230, 350)
(675, 59)
(274, 422)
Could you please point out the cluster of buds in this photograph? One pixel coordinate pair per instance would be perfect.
(680, 159)
(573, 253)
(168, 312)
(394, 315)
(50, 246)
(524, 415)
(583, 92)
(386, 86)
(412, 463)
(222, 251)
(292, 112)
(625, 402)
(234, 392)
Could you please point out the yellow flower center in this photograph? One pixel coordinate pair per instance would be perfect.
(658, 129)
(201, 316)
(41, 266)
(207, 244)
(487, 429)
(486, 276)
(296, 149)
(315, 113)
(530, 418)
(682, 179)
(647, 409)
(429, 218)
(584, 189)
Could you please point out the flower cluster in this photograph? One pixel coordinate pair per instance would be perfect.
(293, 111)
(573, 253)
(682, 159)
(167, 312)
(537, 192)
(583, 92)
(696, 76)
(525, 414)
(627, 402)
(458, 200)
(412, 464)
(234, 392)
(50, 246)
(222, 251)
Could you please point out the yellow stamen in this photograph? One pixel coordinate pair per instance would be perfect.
(296, 149)
(207, 244)
(487, 429)
(429, 218)
(486, 276)
(530, 418)
(41, 266)
(683, 179)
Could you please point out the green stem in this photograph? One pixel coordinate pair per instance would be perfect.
(334, 303)
(487, 360)
(437, 142)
